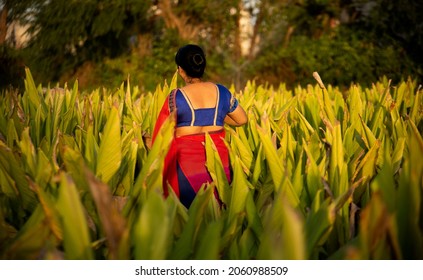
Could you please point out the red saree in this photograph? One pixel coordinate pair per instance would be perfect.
(185, 168)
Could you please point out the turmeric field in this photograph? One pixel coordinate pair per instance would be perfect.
(317, 174)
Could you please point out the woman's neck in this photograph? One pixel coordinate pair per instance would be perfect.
(190, 81)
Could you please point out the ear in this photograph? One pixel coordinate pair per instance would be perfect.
(181, 71)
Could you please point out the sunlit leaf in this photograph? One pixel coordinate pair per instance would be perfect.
(76, 239)
(109, 154)
(152, 230)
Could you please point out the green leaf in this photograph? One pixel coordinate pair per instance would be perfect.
(209, 242)
(215, 168)
(337, 164)
(417, 104)
(367, 135)
(28, 153)
(32, 241)
(76, 239)
(240, 190)
(51, 215)
(306, 127)
(109, 154)
(385, 184)
(313, 175)
(409, 198)
(184, 246)
(31, 90)
(318, 225)
(112, 222)
(258, 167)
(243, 150)
(397, 154)
(276, 169)
(283, 235)
(378, 236)
(367, 166)
(152, 230)
(253, 216)
(150, 176)
(19, 184)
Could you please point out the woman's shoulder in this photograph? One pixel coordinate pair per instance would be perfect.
(196, 87)
(224, 90)
(205, 87)
(175, 92)
(221, 86)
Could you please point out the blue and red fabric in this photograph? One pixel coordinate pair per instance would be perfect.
(185, 168)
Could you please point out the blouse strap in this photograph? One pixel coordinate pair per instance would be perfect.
(217, 105)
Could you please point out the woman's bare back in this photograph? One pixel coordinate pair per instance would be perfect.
(201, 95)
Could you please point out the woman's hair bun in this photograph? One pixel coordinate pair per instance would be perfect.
(192, 59)
(198, 59)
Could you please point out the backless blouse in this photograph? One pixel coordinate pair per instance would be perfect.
(187, 115)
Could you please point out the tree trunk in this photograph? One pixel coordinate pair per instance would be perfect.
(145, 44)
(180, 22)
(237, 35)
(254, 37)
(3, 25)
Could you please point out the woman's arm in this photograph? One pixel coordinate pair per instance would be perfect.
(237, 118)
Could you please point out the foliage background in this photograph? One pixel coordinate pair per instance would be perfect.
(317, 174)
(101, 42)
(341, 167)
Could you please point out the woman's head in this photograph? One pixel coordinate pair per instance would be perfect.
(192, 59)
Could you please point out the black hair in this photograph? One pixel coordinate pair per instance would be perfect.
(192, 59)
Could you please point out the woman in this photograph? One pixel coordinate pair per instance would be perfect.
(199, 107)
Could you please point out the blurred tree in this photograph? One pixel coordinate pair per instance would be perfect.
(11, 60)
(3, 23)
(11, 11)
(400, 21)
(70, 35)
(343, 40)
(271, 41)
(212, 24)
(65, 34)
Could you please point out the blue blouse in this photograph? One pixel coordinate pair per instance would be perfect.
(187, 115)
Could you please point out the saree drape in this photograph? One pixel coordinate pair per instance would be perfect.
(185, 168)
